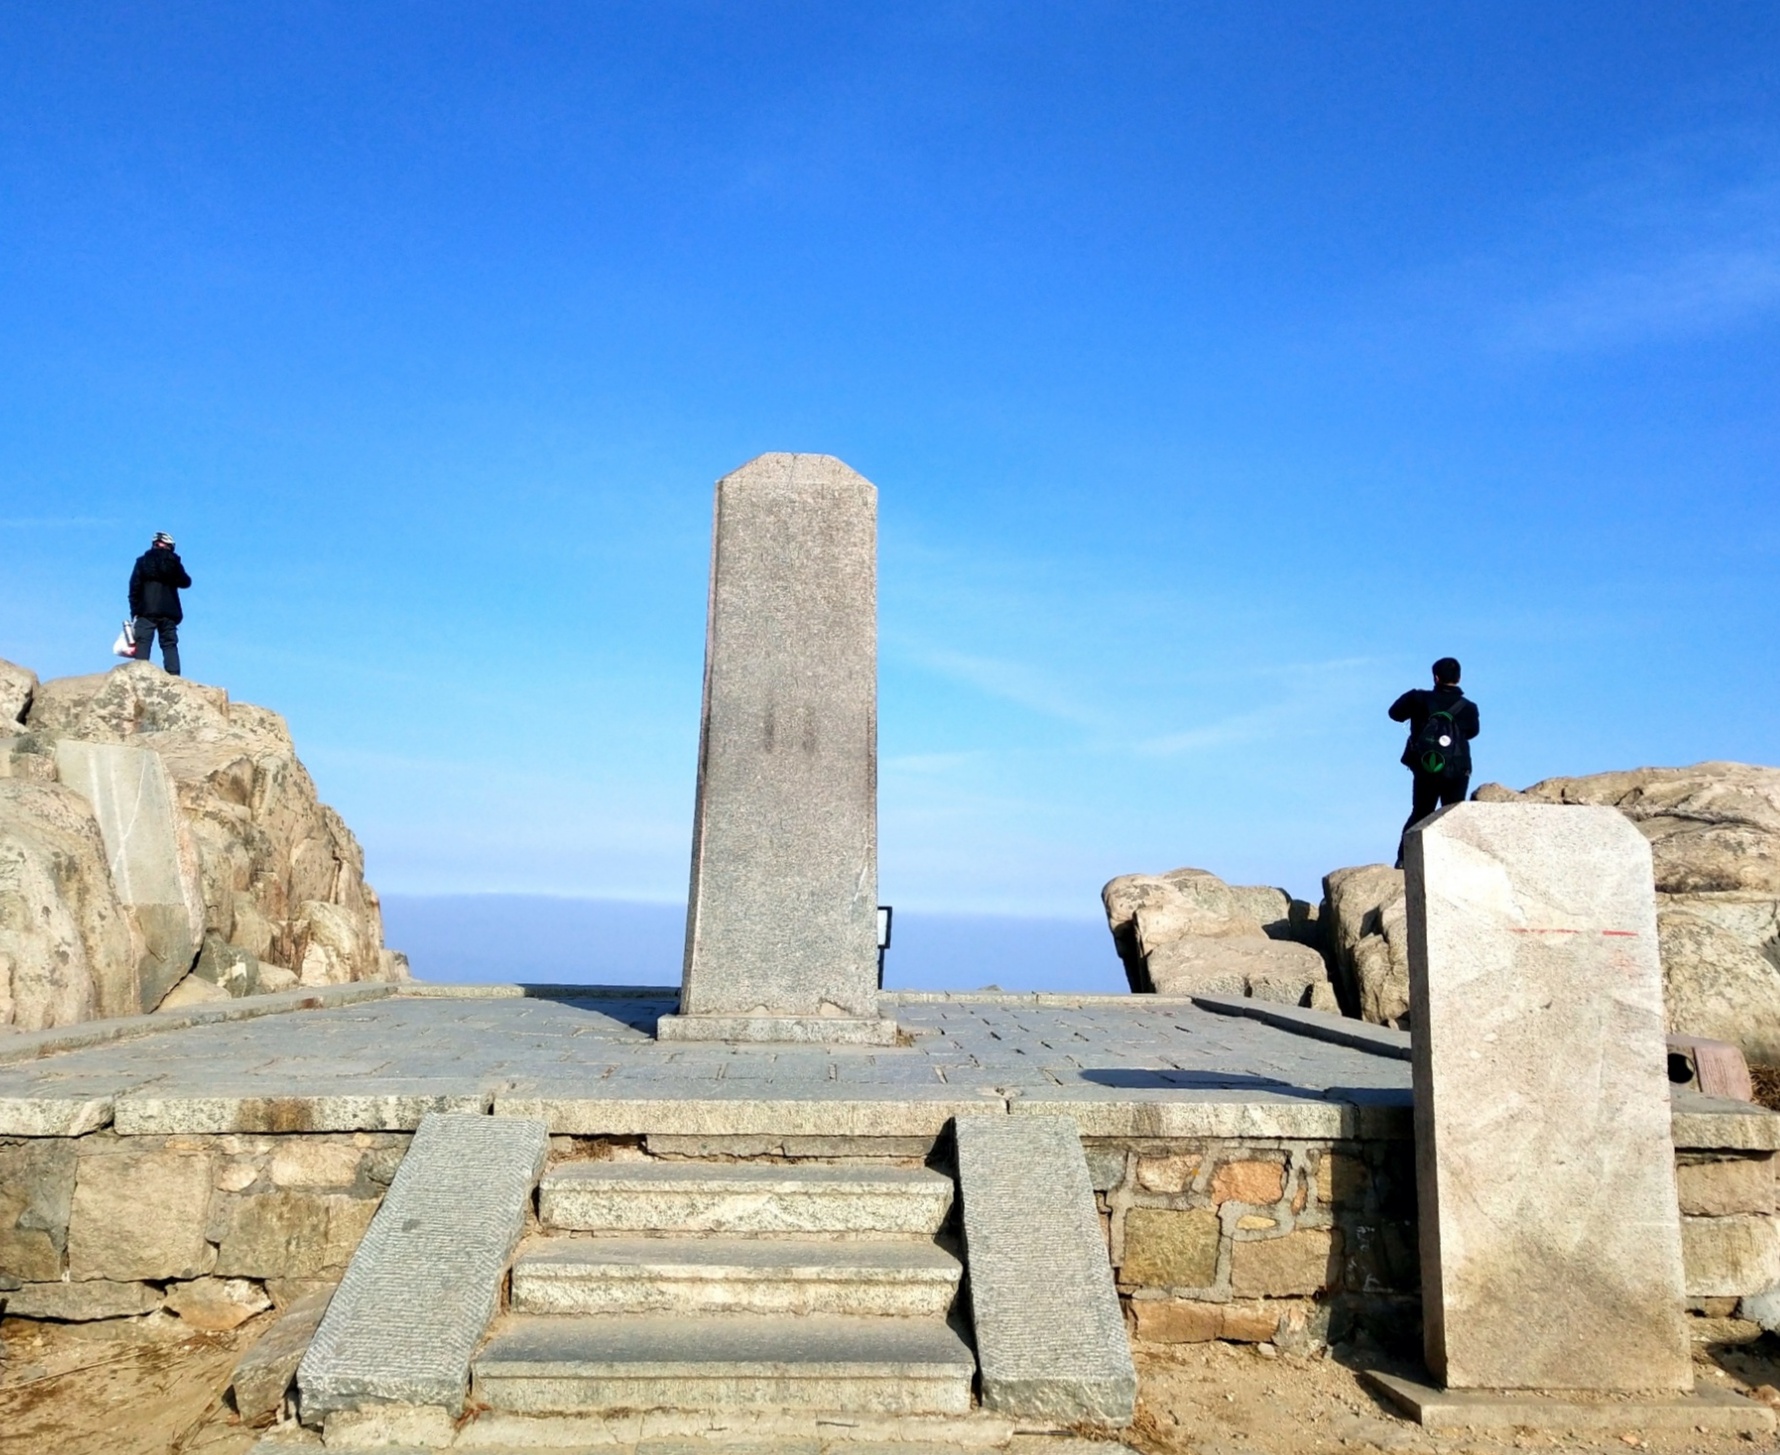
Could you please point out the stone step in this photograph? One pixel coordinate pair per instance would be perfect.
(745, 1199)
(735, 1275)
(552, 1364)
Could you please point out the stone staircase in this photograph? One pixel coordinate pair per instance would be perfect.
(787, 1305)
(729, 1287)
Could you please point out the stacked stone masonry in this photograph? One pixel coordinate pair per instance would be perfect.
(1295, 1243)
(214, 1229)
(1267, 1241)
(1730, 1236)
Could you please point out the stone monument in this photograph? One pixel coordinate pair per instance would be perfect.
(781, 919)
(1550, 1237)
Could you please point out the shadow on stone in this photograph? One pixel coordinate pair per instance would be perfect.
(1142, 1079)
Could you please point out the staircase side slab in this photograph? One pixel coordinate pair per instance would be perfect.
(1051, 1339)
(423, 1286)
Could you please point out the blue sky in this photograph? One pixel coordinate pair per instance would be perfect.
(1219, 366)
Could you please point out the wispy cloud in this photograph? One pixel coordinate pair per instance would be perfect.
(1706, 292)
(1680, 241)
(1025, 686)
(930, 764)
(1242, 727)
(56, 522)
(1309, 690)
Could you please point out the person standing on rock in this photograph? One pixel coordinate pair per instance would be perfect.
(154, 600)
(1442, 721)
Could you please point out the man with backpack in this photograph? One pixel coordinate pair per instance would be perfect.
(154, 600)
(1442, 721)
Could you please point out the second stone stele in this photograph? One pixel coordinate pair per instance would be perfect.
(1551, 1245)
(1552, 1289)
(781, 923)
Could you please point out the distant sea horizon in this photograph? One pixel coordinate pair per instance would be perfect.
(558, 940)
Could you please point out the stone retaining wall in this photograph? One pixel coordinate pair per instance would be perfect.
(213, 1228)
(1291, 1242)
(1730, 1236)
(1259, 1241)
(1300, 1243)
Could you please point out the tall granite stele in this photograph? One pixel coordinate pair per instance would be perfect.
(1550, 1237)
(781, 921)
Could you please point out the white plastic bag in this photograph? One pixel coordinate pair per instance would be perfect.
(125, 645)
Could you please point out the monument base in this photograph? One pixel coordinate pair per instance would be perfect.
(1717, 1411)
(830, 1030)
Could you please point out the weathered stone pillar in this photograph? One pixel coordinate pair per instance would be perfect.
(1550, 1236)
(781, 923)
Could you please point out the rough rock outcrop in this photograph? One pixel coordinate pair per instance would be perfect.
(68, 950)
(1364, 913)
(16, 686)
(1714, 832)
(278, 877)
(1188, 931)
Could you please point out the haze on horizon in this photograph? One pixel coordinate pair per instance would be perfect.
(1218, 368)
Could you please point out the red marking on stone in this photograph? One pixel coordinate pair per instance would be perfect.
(1622, 934)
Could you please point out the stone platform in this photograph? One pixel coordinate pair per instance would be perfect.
(1251, 1163)
(584, 1059)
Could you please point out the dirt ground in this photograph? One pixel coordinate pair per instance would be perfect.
(121, 1387)
(1233, 1399)
(152, 1387)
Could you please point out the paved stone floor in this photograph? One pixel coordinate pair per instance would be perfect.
(588, 1062)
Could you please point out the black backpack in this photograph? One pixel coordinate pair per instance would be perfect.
(1439, 749)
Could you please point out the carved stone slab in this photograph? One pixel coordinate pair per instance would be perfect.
(1550, 1237)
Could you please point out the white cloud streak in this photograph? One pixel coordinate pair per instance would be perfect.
(1029, 687)
(1700, 294)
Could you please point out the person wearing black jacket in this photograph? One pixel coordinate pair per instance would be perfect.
(154, 600)
(1442, 721)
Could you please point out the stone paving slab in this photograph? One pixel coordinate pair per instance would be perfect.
(585, 1060)
(1451, 1412)
(54, 1116)
(1710, 1122)
(426, 1280)
(368, 1107)
(816, 1111)
(29, 1045)
(1222, 1114)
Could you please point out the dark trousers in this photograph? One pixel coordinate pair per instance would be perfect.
(1430, 793)
(146, 627)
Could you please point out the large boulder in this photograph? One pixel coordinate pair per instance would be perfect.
(1188, 932)
(1364, 914)
(271, 880)
(1714, 832)
(1714, 828)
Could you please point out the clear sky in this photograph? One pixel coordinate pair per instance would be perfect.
(1218, 365)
